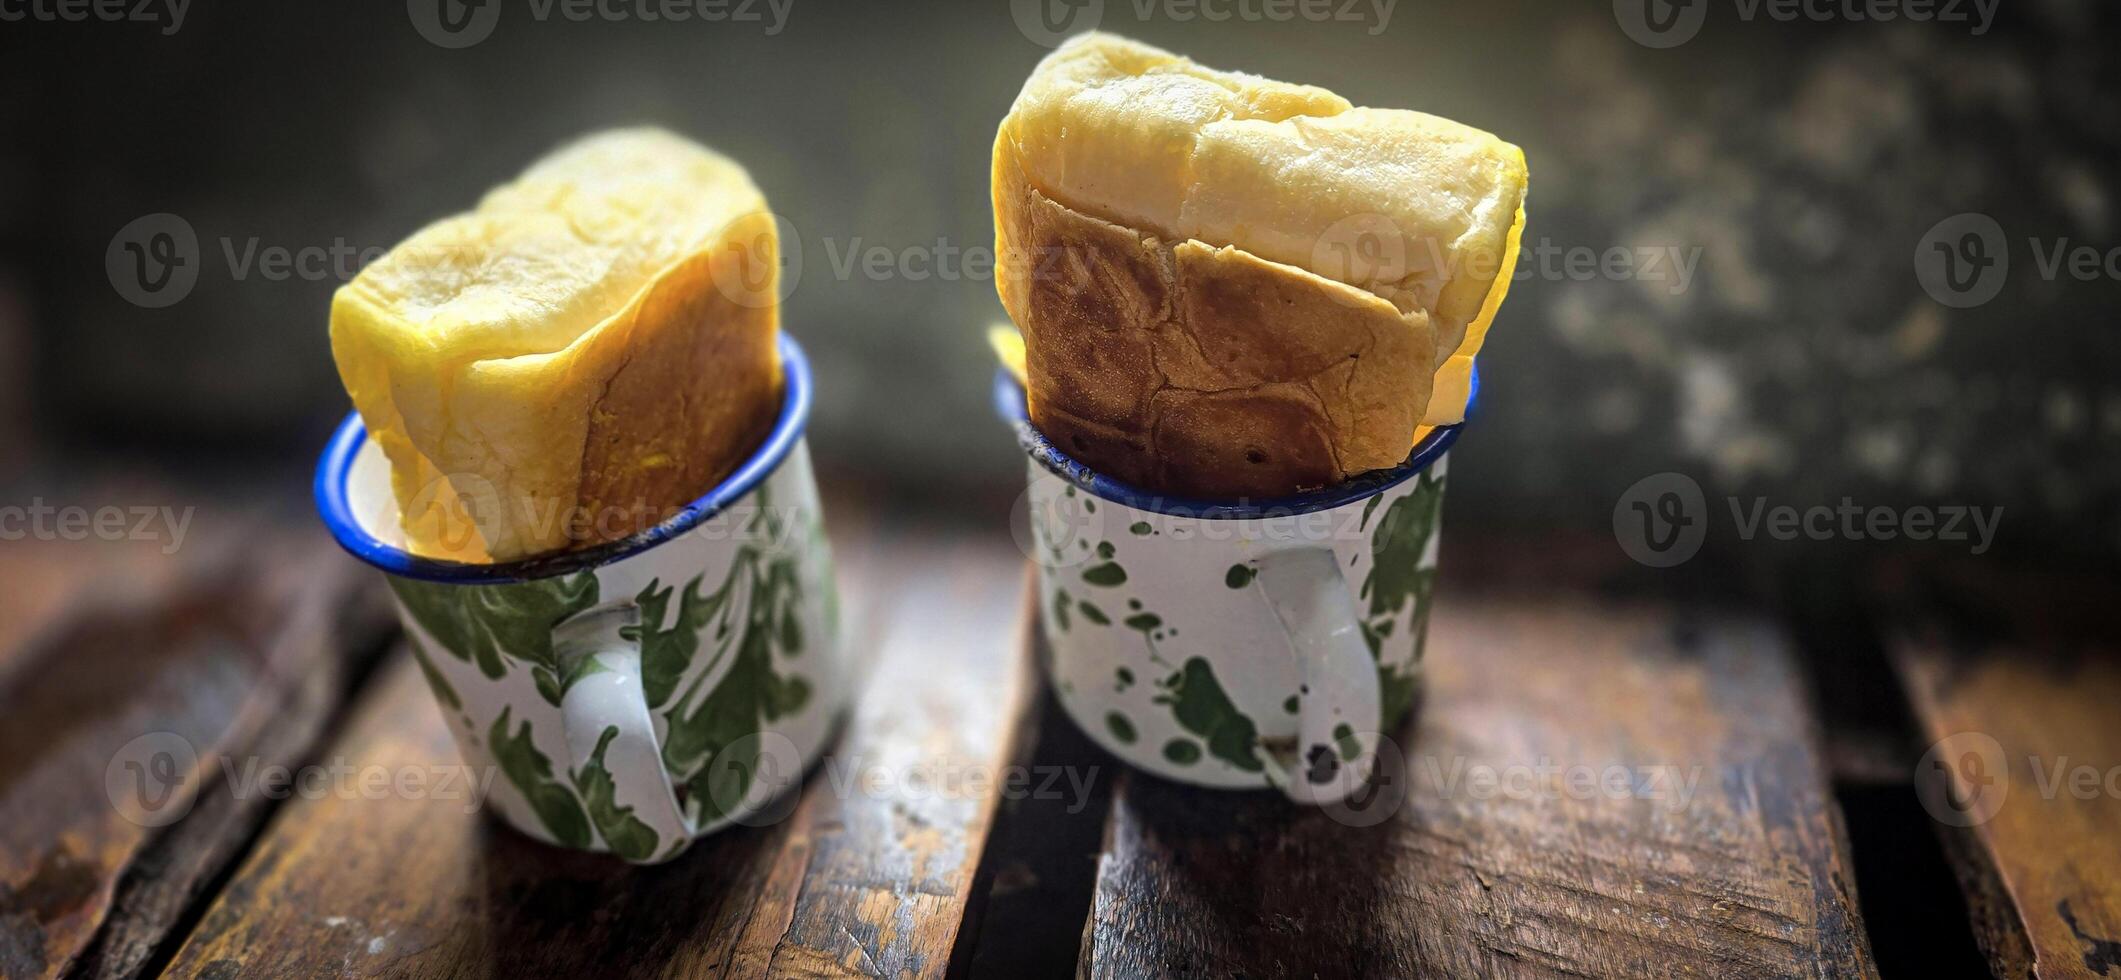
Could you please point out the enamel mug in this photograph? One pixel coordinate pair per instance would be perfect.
(1235, 644)
(637, 694)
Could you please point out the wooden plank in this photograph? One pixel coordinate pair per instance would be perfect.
(860, 877)
(45, 579)
(2011, 680)
(171, 682)
(2027, 735)
(887, 872)
(332, 641)
(1491, 858)
(153, 537)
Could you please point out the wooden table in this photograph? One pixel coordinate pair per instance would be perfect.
(1498, 843)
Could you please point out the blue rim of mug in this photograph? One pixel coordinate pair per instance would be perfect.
(339, 454)
(1009, 403)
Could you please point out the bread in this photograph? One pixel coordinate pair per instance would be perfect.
(1230, 286)
(591, 348)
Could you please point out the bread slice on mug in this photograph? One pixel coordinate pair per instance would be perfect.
(591, 348)
(1235, 287)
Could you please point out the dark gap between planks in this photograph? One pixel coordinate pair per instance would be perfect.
(1911, 900)
(1906, 883)
(1037, 878)
(1886, 642)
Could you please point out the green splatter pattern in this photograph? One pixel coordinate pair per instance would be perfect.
(751, 621)
(530, 772)
(1396, 579)
(626, 835)
(492, 624)
(1394, 597)
(1199, 705)
(666, 652)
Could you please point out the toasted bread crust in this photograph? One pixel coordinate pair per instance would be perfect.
(1275, 288)
(1197, 370)
(658, 438)
(586, 352)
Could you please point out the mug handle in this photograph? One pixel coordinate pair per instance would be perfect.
(1339, 704)
(617, 769)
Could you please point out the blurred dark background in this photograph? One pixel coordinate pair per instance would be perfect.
(1798, 164)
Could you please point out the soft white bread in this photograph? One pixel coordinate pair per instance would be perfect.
(1233, 286)
(591, 348)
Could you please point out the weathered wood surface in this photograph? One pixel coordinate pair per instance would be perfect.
(234, 658)
(45, 578)
(1720, 854)
(1519, 874)
(2023, 765)
(862, 877)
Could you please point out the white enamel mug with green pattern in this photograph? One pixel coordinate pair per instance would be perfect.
(635, 695)
(1236, 644)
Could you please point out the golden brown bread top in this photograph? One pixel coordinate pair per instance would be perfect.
(1230, 286)
(591, 347)
(1414, 208)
